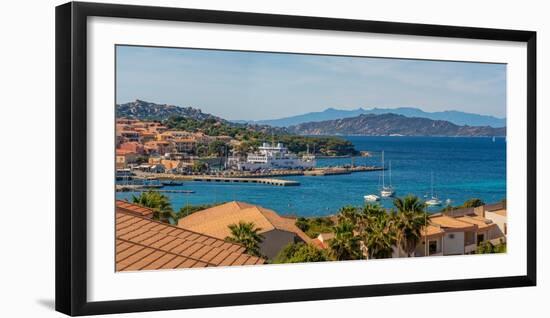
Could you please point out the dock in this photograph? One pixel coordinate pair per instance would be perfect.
(142, 188)
(270, 181)
(269, 178)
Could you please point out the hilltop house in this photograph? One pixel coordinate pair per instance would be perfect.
(276, 230)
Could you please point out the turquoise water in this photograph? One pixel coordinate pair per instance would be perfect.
(463, 168)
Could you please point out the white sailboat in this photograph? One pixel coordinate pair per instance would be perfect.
(434, 200)
(386, 191)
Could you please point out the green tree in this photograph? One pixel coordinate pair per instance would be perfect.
(300, 253)
(247, 235)
(373, 210)
(217, 148)
(349, 214)
(199, 166)
(303, 224)
(473, 203)
(379, 237)
(345, 245)
(410, 203)
(487, 247)
(409, 222)
(190, 209)
(159, 203)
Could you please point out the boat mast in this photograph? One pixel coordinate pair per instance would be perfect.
(390, 173)
(383, 168)
(432, 184)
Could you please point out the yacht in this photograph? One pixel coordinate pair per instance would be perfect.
(386, 191)
(434, 200)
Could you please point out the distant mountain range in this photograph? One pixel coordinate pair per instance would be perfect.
(455, 117)
(363, 124)
(392, 124)
(143, 110)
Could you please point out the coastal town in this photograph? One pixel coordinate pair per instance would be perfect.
(149, 149)
(154, 156)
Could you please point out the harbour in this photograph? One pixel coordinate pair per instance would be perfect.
(463, 168)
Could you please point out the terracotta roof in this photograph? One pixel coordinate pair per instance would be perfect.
(481, 222)
(432, 231)
(447, 222)
(121, 152)
(145, 244)
(125, 206)
(215, 221)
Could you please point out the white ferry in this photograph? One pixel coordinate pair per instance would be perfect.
(275, 156)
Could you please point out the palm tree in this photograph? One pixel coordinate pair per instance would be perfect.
(159, 203)
(379, 237)
(349, 213)
(246, 234)
(409, 203)
(370, 213)
(409, 222)
(345, 245)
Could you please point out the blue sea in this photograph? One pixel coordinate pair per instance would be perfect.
(462, 167)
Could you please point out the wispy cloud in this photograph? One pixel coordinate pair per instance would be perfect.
(248, 85)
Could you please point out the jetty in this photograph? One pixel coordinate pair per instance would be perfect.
(267, 177)
(145, 188)
(339, 170)
(276, 182)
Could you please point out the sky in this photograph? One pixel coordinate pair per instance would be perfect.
(258, 86)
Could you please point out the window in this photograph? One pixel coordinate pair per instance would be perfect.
(451, 236)
(480, 238)
(432, 247)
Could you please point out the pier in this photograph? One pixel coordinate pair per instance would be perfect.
(142, 188)
(276, 182)
(269, 178)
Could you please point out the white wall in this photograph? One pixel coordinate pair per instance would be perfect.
(453, 243)
(27, 108)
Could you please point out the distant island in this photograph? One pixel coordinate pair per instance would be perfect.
(392, 125)
(453, 116)
(386, 124)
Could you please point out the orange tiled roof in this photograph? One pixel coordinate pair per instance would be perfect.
(145, 244)
(121, 152)
(432, 230)
(451, 223)
(125, 206)
(215, 221)
(477, 220)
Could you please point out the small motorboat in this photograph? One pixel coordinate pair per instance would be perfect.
(171, 183)
(371, 198)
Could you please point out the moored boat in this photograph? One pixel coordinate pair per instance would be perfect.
(371, 198)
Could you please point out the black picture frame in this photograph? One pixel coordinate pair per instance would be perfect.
(71, 157)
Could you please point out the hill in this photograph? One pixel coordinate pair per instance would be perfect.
(143, 110)
(453, 116)
(392, 124)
